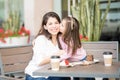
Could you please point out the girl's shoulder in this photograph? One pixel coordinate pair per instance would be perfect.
(60, 39)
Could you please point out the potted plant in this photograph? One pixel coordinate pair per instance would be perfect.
(12, 33)
(90, 17)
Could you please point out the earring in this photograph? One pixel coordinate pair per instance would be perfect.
(45, 27)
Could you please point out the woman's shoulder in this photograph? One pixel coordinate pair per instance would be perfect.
(41, 38)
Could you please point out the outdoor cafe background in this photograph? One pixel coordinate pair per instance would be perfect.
(36, 9)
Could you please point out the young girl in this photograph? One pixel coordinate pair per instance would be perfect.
(70, 40)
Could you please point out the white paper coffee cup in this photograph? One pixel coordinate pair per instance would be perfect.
(107, 58)
(55, 63)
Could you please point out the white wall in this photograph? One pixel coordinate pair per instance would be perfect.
(34, 11)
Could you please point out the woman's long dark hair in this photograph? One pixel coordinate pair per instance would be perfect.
(42, 30)
(71, 35)
(45, 32)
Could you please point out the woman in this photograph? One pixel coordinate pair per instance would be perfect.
(45, 45)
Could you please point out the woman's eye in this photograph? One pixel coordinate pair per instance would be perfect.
(56, 22)
(53, 23)
(50, 24)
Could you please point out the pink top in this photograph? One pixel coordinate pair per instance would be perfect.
(79, 55)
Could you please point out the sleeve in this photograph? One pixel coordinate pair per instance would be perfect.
(67, 54)
(81, 54)
(39, 50)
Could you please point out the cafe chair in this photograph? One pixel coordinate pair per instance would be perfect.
(13, 61)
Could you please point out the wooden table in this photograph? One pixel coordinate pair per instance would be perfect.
(94, 70)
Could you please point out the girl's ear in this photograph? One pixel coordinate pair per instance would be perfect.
(45, 27)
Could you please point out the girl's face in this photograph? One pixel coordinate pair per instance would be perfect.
(63, 27)
(53, 26)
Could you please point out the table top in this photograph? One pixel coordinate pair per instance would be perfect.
(93, 70)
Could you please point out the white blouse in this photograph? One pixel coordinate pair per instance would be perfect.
(42, 48)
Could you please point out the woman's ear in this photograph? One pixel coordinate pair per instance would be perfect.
(45, 27)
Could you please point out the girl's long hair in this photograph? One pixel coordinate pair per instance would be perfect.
(71, 35)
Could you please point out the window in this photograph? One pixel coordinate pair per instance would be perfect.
(111, 29)
(7, 6)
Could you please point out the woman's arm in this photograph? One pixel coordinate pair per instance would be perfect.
(39, 52)
(45, 61)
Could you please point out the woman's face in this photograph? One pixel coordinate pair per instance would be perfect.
(53, 26)
(62, 26)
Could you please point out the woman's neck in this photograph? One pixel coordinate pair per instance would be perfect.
(54, 40)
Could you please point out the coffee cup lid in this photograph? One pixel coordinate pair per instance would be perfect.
(55, 56)
(107, 53)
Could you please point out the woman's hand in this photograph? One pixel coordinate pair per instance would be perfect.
(60, 52)
(33, 42)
